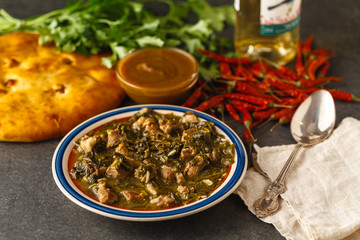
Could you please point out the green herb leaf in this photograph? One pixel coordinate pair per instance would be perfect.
(150, 41)
(120, 26)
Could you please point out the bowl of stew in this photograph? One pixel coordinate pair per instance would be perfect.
(149, 163)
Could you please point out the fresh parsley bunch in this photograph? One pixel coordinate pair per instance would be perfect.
(120, 26)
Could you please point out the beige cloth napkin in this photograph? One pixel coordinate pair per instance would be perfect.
(323, 196)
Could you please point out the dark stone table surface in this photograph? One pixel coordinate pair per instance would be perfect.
(32, 207)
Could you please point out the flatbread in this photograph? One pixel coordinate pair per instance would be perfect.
(44, 93)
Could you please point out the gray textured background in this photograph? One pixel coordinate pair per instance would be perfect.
(32, 207)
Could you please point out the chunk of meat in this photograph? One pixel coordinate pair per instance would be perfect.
(169, 127)
(138, 123)
(189, 117)
(187, 135)
(148, 122)
(105, 194)
(180, 178)
(215, 155)
(163, 201)
(187, 154)
(167, 174)
(193, 167)
(132, 195)
(151, 189)
(87, 143)
(122, 149)
(183, 189)
(114, 138)
(154, 131)
(117, 172)
(146, 172)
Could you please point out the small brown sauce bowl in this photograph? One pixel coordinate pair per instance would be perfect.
(157, 75)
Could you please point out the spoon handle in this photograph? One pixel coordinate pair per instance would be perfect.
(269, 204)
(285, 170)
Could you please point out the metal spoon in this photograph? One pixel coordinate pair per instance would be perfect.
(312, 122)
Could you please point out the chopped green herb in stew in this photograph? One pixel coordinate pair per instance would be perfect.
(152, 161)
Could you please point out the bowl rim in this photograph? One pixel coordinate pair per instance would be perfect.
(62, 179)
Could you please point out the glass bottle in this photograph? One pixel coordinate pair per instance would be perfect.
(267, 28)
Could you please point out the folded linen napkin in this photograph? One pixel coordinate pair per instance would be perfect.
(322, 200)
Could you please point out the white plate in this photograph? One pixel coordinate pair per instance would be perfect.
(60, 168)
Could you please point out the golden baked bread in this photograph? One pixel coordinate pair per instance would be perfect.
(44, 93)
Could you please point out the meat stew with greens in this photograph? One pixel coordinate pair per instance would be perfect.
(152, 161)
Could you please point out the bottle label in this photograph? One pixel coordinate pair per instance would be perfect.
(279, 16)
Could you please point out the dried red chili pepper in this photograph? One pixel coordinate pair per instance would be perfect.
(220, 58)
(251, 89)
(289, 93)
(282, 71)
(307, 46)
(262, 115)
(231, 110)
(248, 106)
(314, 65)
(323, 71)
(304, 83)
(284, 119)
(299, 65)
(341, 95)
(288, 72)
(261, 65)
(337, 94)
(294, 102)
(247, 98)
(247, 120)
(232, 77)
(275, 82)
(194, 97)
(280, 113)
(241, 71)
(225, 68)
(257, 72)
(323, 51)
(263, 86)
(248, 138)
(276, 115)
(311, 90)
(209, 103)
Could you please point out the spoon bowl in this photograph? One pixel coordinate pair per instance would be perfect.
(313, 122)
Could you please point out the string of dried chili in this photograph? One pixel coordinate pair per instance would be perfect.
(261, 87)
